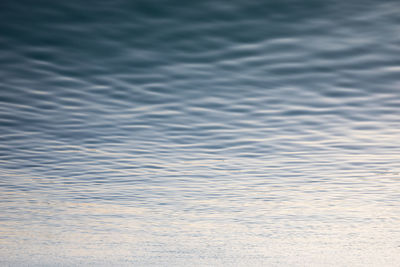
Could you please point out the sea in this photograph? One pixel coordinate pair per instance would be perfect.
(200, 133)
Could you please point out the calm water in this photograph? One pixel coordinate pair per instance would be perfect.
(175, 133)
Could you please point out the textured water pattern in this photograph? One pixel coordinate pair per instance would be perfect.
(178, 133)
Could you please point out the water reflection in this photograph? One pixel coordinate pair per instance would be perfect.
(210, 134)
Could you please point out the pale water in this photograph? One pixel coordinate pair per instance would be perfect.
(208, 133)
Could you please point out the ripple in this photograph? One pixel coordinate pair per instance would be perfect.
(242, 133)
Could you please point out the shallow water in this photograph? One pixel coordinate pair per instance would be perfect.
(169, 133)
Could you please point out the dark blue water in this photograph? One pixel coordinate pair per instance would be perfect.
(209, 133)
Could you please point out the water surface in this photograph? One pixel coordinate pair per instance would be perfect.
(172, 133)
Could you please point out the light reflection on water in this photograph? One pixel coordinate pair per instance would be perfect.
(205, 134)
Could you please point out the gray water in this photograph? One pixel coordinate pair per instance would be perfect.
(176, 133)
